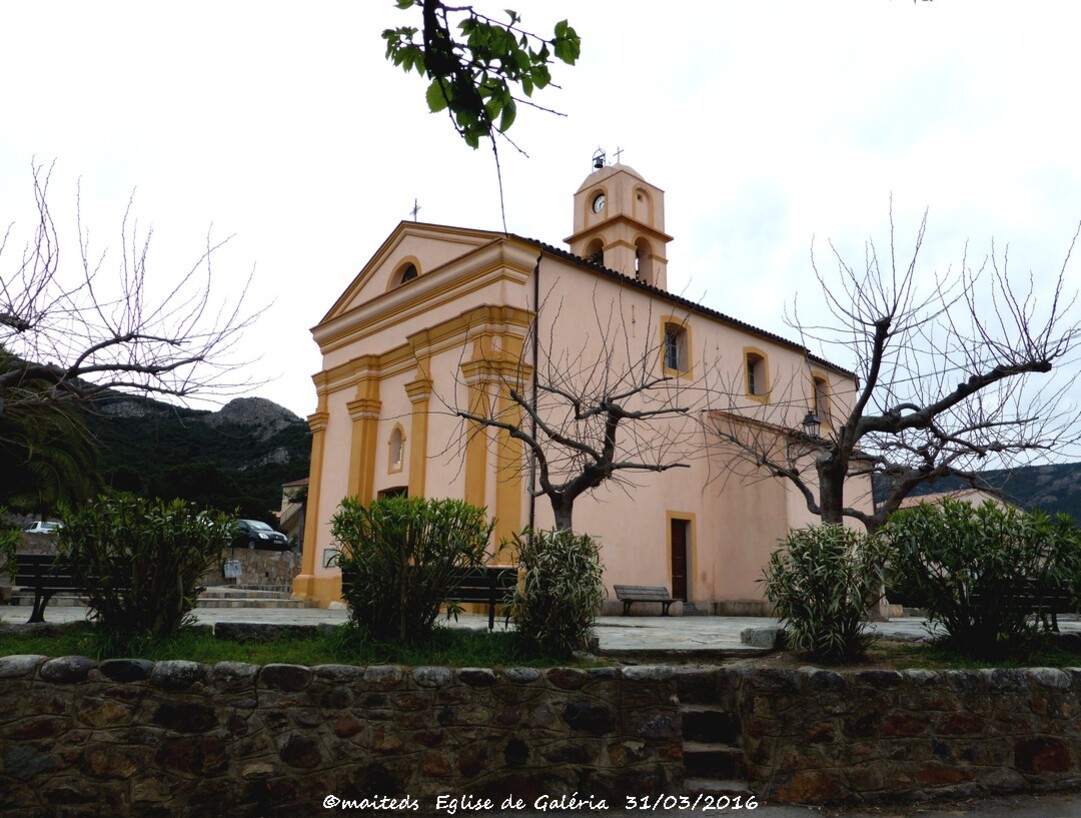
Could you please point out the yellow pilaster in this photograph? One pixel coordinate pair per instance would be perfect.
(365, 415)
(476, 447)
(304, 583)
(364, 411)
(508, 491)
(419, 392)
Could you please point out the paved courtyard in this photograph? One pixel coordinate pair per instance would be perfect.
(628, 635)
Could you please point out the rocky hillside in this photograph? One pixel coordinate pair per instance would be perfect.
(1053, 488)
(235, 458)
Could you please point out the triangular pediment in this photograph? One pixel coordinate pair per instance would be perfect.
(426, 246)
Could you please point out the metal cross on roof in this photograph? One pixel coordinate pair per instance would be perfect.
(415, 210)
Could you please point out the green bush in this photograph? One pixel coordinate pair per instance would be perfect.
(140, 560)
(399, 556)
(982, 571)
(561, 591)
(9, 544)
(822, 581)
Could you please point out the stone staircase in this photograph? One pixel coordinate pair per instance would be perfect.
(713, 759)
(251, 596)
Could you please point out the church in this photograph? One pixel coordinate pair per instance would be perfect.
(450, 339)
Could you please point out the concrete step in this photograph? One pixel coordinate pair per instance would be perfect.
(250, 602)
(232, 592)
(710, 724)
(732, 788)
(285, 589)
(24, 597)
(713, 761)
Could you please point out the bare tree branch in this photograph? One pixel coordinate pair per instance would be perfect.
(947, 379)
(67, 337)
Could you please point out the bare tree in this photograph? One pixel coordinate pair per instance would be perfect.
(67, 339)
(947, 382)
(601, 407)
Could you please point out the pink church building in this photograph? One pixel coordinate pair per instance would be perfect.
(450, 321)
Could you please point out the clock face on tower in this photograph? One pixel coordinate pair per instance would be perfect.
(598, 203)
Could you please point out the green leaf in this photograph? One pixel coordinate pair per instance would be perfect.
(510, 110)
(436, 96)
(567, 44)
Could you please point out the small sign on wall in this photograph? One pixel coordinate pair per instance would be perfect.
(330, 557)
(232, 569)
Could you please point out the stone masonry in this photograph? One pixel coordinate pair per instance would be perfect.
(817, 736)
(132, 737)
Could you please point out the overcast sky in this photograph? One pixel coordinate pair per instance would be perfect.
(767, 124)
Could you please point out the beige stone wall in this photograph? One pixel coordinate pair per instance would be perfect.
(258, 567)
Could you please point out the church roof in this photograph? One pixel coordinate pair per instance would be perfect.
(681, 301)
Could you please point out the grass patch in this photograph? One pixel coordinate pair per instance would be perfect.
(1045, 651)
(340, 645)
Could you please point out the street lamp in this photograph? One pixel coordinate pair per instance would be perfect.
(811, 425)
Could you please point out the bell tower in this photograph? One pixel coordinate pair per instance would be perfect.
(619, 222)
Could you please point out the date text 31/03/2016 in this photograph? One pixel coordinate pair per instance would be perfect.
(705, 803)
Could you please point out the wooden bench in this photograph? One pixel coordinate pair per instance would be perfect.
(484, 584)
(46, 576)
(1053, 601)
(490, 585)
(629, 594)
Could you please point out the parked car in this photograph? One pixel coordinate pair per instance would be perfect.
(44, 527)
(255, 534)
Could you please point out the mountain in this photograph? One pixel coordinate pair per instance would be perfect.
(1054, 487)
(235, 458)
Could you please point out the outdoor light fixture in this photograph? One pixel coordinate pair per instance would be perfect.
(811, 425)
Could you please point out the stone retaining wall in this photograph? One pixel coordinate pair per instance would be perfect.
(130, 737)
(258, 567)
(816, 736)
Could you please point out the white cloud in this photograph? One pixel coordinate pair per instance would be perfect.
(766, 124)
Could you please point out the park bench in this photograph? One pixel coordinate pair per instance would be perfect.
(490, 585)
(1053, 601)
(483, 584)
(45, 575)
(629, 594)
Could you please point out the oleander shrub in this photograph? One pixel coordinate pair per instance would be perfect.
(140, 561)
(9, 543)
(983, 571)
(823, 582)
(561, 591)
(399, 557)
